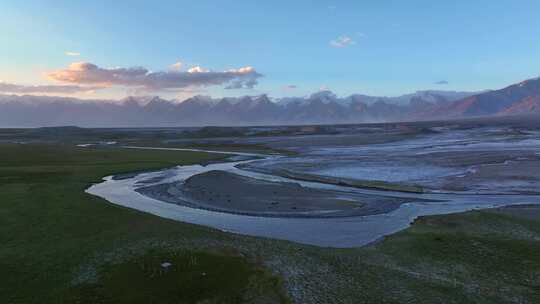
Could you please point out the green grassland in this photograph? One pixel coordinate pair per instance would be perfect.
(50, 228)
(61, 245)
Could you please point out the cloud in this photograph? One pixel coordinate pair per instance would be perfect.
(177, 66)
(85, 73)
(290, 87)
(73, 54)
(45, 89)
(197, 69)
(342, 42)
(442, 82)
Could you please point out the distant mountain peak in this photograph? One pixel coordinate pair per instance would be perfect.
(519, 98)
(319, 107)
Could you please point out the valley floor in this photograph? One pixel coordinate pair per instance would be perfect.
(61, 245)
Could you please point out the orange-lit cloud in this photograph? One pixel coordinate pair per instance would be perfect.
(177, 66)
(85, 73)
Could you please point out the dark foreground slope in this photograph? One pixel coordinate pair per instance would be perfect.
(60, 245)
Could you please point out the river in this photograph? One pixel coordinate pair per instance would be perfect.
(325, 232)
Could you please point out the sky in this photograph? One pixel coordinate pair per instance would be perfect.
(177, 49)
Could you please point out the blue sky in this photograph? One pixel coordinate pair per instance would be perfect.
(370, 47)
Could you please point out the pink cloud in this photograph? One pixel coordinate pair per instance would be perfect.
(85, 73)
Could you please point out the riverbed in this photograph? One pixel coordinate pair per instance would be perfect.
(339, 232)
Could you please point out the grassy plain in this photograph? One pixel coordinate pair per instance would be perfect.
(60, 245)
(51, 232)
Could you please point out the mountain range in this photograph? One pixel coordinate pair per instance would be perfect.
(320, 108)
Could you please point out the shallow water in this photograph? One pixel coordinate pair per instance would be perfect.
(386, 172)
(326, 232)
(421, 160)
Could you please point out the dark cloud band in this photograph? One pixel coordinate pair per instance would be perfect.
(45, 89)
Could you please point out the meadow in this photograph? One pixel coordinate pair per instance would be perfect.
(61, 245)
